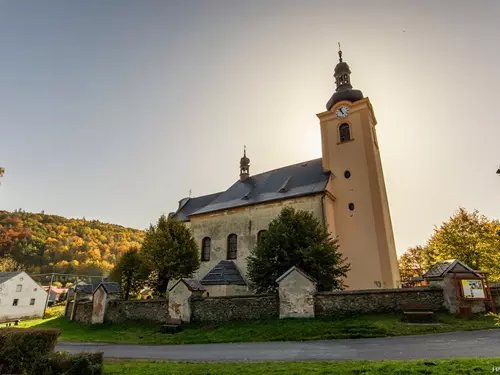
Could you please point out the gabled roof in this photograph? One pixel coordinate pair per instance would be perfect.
(447, 266)
(84, 288)
(110, 287)
(279, 279)
(192, 205)
(4, 276)
(299, 179)
(55, 289)
(224, 273)
(193, 285)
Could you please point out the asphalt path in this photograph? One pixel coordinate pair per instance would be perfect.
(484, 343)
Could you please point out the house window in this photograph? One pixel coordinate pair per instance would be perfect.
(232, 246)
(14, 303)
(19, 288)
(205, 249)
(260, 234)
(344, 132)
(32, 302)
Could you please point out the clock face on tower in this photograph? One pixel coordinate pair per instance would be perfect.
(342, 111)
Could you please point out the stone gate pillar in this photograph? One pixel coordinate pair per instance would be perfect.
(104, 293)
(179, 306)
(296, 292)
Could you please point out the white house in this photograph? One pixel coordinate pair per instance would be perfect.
(20, 297)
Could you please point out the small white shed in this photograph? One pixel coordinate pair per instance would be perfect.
(20, 297)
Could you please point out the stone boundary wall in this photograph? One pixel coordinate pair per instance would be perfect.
(152, 310)
(83, 311)
(376, 300)
(220, 309)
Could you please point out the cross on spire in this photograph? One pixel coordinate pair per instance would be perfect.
(340, 53)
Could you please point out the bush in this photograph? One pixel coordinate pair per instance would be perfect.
(63, 363)
(30, 351)
(55, 311)
(20, 348)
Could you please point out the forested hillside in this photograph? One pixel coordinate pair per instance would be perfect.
(49, 243)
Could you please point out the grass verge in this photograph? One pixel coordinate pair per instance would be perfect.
(441, 367)
(363, 326)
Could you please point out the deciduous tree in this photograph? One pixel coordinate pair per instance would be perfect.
(296, 238)
(170, 251)
(130, 272)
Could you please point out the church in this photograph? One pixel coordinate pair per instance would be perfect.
(344, 189)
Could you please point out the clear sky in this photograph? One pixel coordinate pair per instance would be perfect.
(115, 109)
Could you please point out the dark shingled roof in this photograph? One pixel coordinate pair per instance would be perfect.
(4, 276)
(110, 287)
(84, 288)
(193, 285)
(224, 273)
(452, 265)
(294, 180)
(192, 205)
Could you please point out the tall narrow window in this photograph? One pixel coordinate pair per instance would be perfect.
(232, 246)
(344, 132)
(32, 302)
(260, 234)
(205, 249)
(14, 303)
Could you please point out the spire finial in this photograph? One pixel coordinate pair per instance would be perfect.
(189, 193)
(245, 150)
(340, 53)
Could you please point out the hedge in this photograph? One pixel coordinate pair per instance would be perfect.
(30, 351)
(20, 348)
(67, 364)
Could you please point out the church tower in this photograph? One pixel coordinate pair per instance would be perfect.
(361, 214)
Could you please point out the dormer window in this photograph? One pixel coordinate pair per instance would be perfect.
(344, 133)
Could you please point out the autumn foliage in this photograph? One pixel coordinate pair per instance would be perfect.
(49, 243)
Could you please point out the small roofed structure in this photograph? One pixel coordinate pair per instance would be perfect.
(224, 279)
(440, 269)
(110, 287)
(105, 292)
(296, 291)
(191, 284)
(180, 293)
(464, 289)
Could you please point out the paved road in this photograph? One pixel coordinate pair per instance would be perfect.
(445, 345)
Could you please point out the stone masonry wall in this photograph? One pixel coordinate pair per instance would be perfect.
(147, 310)
(83, 311)
(235, 308)
(376, 300)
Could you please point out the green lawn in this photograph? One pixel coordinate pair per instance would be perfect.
(442, 367)
(264, 330)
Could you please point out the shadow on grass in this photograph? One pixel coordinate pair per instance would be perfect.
(353, 327)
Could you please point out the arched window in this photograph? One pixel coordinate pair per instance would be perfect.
(344, 132)
(232, 246)
(206, 243)
(260, 234)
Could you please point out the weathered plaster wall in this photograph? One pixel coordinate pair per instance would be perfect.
(296, 294)
(179, 306)
(99, 305)
(245, 222)
(374, 301)
(152, 310)
(234, 308)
